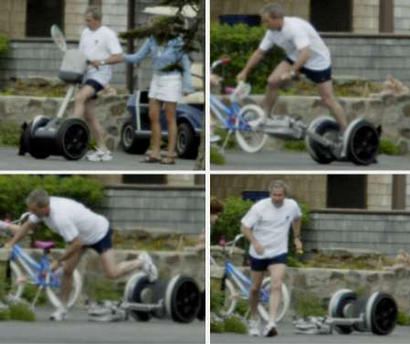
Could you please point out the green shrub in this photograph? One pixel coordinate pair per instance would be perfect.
(222, 133)
(216, 157)
(238, 43)
(4, 314)
(217, 326)
(403, 319)
(242, 307)
(30, 292)
(217, 296)
(4, 44)
(22, 312)
(307, 304)
(9, 133)
(104, 289)
(235, 324)
(296, 146)
(15, 188)
(228, 224)
(389, 148)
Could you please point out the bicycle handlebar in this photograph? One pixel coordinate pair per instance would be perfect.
(219, 62)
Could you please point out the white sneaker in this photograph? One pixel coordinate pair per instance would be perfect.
(99, 155)
(270, 330)
(254, 328)
(149, 267)
(59, 314)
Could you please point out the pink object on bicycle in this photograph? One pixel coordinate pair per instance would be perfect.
(44, 244)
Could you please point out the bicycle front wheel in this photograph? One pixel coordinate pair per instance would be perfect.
(230, 298)
(263, 306)
(54, 296)
(16, 283)
(249, 134)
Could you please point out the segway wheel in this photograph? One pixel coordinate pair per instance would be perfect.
(362, 140)
(381, 313)
(73, 138)
(132, 293)
(337, 308)
(182, 299)
(326, 127)
(37, 148)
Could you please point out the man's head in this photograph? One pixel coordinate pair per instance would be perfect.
(38, 202)
(278, 191)
(272, 16)
(216, 209)
(93, 17)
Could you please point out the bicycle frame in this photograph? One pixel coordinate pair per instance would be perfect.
(39, 272)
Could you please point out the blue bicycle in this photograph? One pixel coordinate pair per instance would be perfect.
(38, 273)
(235, 285)
(245, 121)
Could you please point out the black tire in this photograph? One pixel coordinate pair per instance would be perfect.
(182, 299)
(135, 296)
(73, 139)
(187, 142)
(362, 143)
(318, 152)
(337, 305)
(129, 142)
(381, 314)
(36, 148)
(201, 312)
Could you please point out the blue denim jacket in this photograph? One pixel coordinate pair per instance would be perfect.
(163, 56)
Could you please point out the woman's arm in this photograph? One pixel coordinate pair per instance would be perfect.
(141, 54)
(187, 79)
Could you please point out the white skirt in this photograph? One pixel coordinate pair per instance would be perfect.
(166, 88)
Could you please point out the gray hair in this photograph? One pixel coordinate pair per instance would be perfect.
(278, 185)
(275, 11)
(38, 197)
(95, 12)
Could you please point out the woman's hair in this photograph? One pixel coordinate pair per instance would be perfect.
(216, 206)
(278, 184)
(38, 197)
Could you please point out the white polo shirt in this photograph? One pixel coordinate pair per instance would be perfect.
(297, 34)
(71, 219)
(270, 225)
(99, 45)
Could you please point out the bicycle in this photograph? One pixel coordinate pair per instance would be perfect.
(37, 273)
(238, 119)
(236, 286)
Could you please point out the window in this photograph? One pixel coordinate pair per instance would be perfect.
(41, 14)
(332, 16)
(347, 191)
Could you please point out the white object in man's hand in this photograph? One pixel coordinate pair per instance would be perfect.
(258, 248)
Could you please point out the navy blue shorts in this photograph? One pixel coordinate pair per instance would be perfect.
(95, 85)
(317, 76)
(262, 264)
(104, 244)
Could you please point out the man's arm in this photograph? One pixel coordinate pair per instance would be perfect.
(19, 232)
(116, 58)
(304, 55)
(248, 233)
(253, 61)
(297, 228)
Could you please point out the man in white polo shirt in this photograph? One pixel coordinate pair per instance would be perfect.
(82, 229)
(102, 48)
(266, 226)
(306, 53)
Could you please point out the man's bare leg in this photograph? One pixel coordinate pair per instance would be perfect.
(94, 124)
(329, 100)
(272, 88)
(84, 94)
(67, 278)
(257, 278)
(277, 273)
(113, 270)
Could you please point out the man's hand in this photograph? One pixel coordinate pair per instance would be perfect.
(298, 245)
(290, 75)
(54, 265)
(95, 63)
(258, 247)
(242, 76)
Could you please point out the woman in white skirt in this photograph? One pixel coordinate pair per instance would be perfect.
(171, 80)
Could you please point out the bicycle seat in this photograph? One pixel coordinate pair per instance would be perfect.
(44, 244)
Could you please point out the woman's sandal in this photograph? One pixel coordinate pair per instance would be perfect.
(149, 159)
(168, 161)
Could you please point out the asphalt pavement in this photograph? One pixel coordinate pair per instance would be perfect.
(9, 160)
(77, 329)
(400, 335)
(295, 161)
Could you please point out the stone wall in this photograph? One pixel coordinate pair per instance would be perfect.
(156, 209)
(322, 283)
(386, 232)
